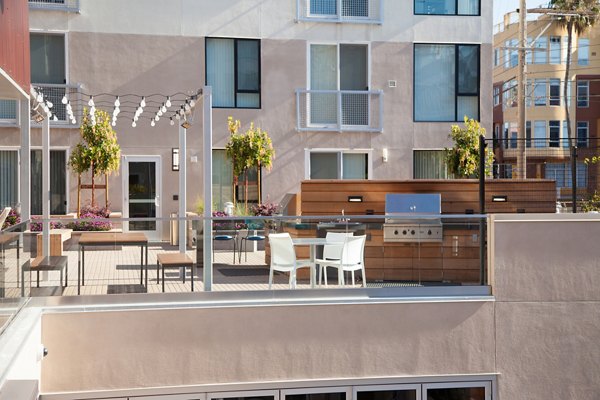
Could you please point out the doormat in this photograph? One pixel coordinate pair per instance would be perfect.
(125, 289)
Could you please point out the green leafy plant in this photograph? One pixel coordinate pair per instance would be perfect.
(253, 148)
(463, 158)
(98, 151)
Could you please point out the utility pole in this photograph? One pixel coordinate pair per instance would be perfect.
(522, 82)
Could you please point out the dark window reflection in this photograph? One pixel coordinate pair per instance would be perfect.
(388, 395)
(456, 394)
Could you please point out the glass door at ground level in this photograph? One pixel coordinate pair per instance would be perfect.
(142, 197)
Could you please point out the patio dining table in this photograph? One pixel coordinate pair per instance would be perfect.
(111, 239)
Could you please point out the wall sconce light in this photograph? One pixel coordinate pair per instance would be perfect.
(355, 199)
(384, 155)
(175, 159)
(500, 199)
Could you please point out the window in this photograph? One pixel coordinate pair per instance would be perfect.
(48, 59)
(349, 8)
(514, 53)
(222, 181)
(540, 55)
(582, 133)
(446, 82)
(539, 92)
(554, 128)
(447, 7)
(9, 178)
(457, 391)
(555, 92)
(8, 111)
(565, 135)
(338, 164)
(496, 57)
(583, 51)
(529, 53)
(539, 134)
(583, 94)
(561, 173)
(430, 164)
(509, 94)
(555, 49)
(233, 71)
(58, 182)
(496, 95)
(342, 67)
(528, 134)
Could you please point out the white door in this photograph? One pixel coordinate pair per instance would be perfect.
(142, 194)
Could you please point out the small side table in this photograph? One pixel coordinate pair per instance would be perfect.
(51, 263)
(174, 260)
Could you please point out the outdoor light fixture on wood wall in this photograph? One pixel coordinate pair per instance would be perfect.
(355, 199)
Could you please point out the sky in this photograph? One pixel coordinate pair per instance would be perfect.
(501, 7)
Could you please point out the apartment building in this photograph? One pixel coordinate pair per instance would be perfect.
(547, 145)
(352, 89)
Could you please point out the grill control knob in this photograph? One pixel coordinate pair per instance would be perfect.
(429, 232)
(395, 232)
(404, 232)
(412, 232)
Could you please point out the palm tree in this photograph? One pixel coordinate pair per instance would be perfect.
(578, 16)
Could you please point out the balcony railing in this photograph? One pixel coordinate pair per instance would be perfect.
(58, 5)
(55, 93)
(350, 11)
(339, 110)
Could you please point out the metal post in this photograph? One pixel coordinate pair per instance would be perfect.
(207, 132)
(182, 191)
(46, 185)
(574, 177)
(482, 230)
(522, 158)
(25, 159)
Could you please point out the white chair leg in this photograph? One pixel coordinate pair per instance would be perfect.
(364, 278)
(352, 278)
(325, 272)
(320, 274)
(291, 282)
(270, 278)
(340, 274)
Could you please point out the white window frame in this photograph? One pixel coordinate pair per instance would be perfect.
(308, 15)
(497, 90)
(382, 388)
(550, 97)
(247, 393)
(308, 75)
(18, 150)
(455, 385)
(544, 82)
(586, 84)
(583, 61)
(65, 35)
(368, 152)
(318, 390)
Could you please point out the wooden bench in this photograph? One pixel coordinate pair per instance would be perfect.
(174, 260)
(57, 238)
(51, 263)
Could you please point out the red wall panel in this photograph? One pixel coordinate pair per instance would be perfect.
(14, 41)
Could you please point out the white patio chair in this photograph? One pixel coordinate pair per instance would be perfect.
(333, 251)
(352, 259)
(4, 215)
(283, 258)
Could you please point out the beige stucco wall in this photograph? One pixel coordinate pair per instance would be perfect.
(547, 274)
(136, 349)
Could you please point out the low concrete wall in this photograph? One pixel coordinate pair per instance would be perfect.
(547, 279)
(137, 349)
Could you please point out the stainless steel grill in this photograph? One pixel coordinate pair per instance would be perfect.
(413, 217)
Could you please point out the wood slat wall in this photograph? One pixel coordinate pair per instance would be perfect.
(329, 197)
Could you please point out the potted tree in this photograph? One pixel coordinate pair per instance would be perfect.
(463, 159)
(97, 153)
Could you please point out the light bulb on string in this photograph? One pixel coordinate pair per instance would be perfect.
(91, 102)
(187, 106)
(64, 99)
(135, 118)
(168, 103)
(177, 117)
(143, 102)
(163, 109)
(156, 118)
(159, 113)
(171, 121)
(49, 104)
(133, 124)
(114, 123)
(117, 102)
(152, 123)
(55, 118)
(192, 103)
(40, 98)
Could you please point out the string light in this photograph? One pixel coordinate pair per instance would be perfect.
(64, 99)
(171, 121)
(91, 102)
(117, 102)
(168, 103)
(152, 123)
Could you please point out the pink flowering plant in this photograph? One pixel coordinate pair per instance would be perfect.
(13, 218)
(92, 218)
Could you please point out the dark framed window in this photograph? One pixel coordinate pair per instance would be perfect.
(555, 92)
(446, 82)
(583, 94)
(233, 70)
(448, 7)
(554, 134)
(582, 133)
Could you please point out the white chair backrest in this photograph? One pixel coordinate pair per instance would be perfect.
(352, 253)
(4, 215)
(282, 249)
(334, 251)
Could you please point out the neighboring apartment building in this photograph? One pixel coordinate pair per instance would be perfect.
(350, 89)
(547, 147)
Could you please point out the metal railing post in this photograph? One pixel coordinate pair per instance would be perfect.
(574, 178)
(482, 230)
